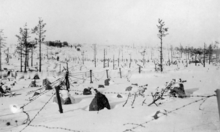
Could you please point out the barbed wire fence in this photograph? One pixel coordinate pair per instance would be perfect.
(29, 102)
(84, 76)
(30, 121)
(136, 125)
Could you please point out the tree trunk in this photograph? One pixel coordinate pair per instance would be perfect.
(204, 56)
(130, 62)
(95, 55)
(39, 48)
(161, 55)
(104, 60)
(113, 62)
(195, 59)
(0, 55)
(21, 59)
(26, 53)
(171, 55)
(32, 50)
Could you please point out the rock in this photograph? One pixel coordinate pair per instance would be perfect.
(99, 102)
(87, 91)
(129, 88)
(101, 86)
(119, 96)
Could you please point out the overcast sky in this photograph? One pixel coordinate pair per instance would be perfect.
(190, 22)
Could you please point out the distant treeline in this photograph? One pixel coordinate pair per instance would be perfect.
(57, 43)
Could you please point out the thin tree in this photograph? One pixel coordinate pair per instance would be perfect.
(95, 53)
(39, 30)
(210, 51)
(143, 55)
(162, 33)
(204, 50)
(2, 44)
(104, 60)
(24, 46)
(19, 50)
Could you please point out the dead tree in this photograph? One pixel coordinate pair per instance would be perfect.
(210, 51)
(95, 53)
(39, 30)
(104, 60)
(2, 39)
(204, 56)
(24, 46)
(162, 33)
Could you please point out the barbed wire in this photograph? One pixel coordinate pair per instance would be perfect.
(98, 79)
(77, 84)
(77, 74)
(165, 114)
(199, 96)
(30, 101)
(62, 128)
(42, 93)
(76, 77)
(53, 83)
(37, 113)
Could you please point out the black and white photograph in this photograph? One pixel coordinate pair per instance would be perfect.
(109, 65)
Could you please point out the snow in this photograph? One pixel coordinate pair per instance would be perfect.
(197, 116)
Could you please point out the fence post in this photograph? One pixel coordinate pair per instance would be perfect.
(67, 78)
(58, 99)
(139, 69)
(130, 62)
(91, 76)
(218, 100)
(107, 73)
(118, 62)
(120, 72)
(113, 62)
(104, 60)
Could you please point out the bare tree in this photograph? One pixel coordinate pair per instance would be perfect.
(24, 46)
(204, 52)
(162, 33)
(20, 47)
(210, 52)
(95, 53)
(39, 30)
(2, 39)
(143, 53)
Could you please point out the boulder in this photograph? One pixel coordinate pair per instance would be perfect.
(129, 88)
(99, 102)
(101, 86)
(107, 82)
(87, 91)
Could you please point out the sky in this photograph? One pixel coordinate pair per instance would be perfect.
(115, 22)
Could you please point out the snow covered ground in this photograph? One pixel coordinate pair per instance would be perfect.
(176, 114)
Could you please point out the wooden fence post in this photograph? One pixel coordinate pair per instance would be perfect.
(120, 72)
(113, 62)
(218, 100)
(107, 73)
(130, 62)
(139, 69)
(204, 56)
(118, 62)
(104, 60)
(58, 99)
(67, 78)
(91, 76)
